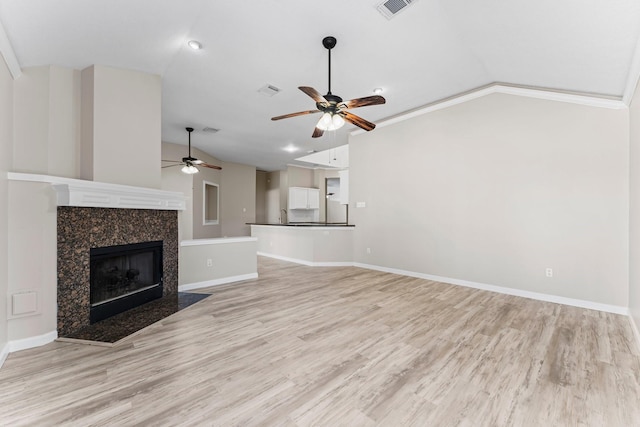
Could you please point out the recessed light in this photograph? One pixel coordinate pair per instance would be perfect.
(290, 148)
(377, 90)
(194, 44)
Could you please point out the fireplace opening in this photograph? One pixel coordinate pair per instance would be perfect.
(124, 277)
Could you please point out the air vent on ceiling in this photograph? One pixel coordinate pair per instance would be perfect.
(268, 90)
(210, 130)
(391, 8)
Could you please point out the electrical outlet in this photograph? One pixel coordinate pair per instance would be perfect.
(209, 262)
(549, 272)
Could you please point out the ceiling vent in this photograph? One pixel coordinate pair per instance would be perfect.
(269, 90)
(210, 130)
(391, 8)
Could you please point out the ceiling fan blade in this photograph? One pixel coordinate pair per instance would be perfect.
(363, 102)
(317, 133)
(170, 166)
(207, 165)
(313, 94)
(358, 121)
(172, 161)
(299, 113)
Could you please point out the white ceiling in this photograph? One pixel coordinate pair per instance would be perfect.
(433, 50)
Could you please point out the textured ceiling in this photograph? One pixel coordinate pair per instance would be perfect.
(433, 50)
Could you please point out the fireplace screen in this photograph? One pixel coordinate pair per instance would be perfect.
(123, 277)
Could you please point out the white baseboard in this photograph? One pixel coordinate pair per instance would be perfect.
(636, 332)
(31, 342)
(4, 353)
(216, 282)
(502, 290)
(309, 263)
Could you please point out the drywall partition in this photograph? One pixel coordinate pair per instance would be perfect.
(634, 210)
(6, 154)
(121, 126)
(495, 191)
(237, 199)
(47, 121)
(174, 180)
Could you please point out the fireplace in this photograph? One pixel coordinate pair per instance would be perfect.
(123, 277)
(83, 232)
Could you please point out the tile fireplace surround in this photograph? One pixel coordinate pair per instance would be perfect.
(80, 229)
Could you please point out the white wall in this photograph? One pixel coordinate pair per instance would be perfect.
(121, 126)
(230, 259)
(47, 121)
(634, 211)
(6, 154)
(47, 133)
(494, 191)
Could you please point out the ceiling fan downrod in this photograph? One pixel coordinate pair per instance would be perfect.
(329, 43)
(189, 130)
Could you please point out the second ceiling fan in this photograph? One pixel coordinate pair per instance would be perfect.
(334, 109)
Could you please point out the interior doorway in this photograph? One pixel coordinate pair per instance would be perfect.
(335, 212)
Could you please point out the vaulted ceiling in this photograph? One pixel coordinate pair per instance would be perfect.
(432, 50)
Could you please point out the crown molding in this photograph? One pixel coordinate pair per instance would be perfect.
(633, 77)
(528, 92)
(8, 54)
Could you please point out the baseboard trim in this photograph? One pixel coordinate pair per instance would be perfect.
(216, 282)
(32, 342)
(636, 332)
(507, 291)
(309, 263)
(4, 353)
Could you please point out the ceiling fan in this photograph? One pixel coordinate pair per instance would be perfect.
(189, 163)
(334, 109)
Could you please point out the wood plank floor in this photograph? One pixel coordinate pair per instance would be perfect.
(305, 346)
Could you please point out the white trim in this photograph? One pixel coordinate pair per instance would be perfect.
(309, 263)
(9, 54)
(83, 193)
(206, 221)
(216, 282)
(507, 291)
(217, 241)
(31, 342)
(636, 332)
(307, 227)
(588, 100)
(4, 353)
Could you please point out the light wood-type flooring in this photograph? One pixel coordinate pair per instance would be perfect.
(305, 346)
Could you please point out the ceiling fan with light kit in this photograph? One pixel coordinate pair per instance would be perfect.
(334, 109)
(190, 164)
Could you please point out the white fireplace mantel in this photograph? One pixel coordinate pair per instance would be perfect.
(82, 193)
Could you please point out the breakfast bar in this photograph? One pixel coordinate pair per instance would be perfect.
(314, 244)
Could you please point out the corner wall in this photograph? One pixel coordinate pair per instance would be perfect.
(634, 210)
(6, 154)
(496, 190)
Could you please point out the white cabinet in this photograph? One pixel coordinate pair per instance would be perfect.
(304, 198)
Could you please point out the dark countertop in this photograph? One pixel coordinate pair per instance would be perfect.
(302, 224)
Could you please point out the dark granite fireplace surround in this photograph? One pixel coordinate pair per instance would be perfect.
(80, 229)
